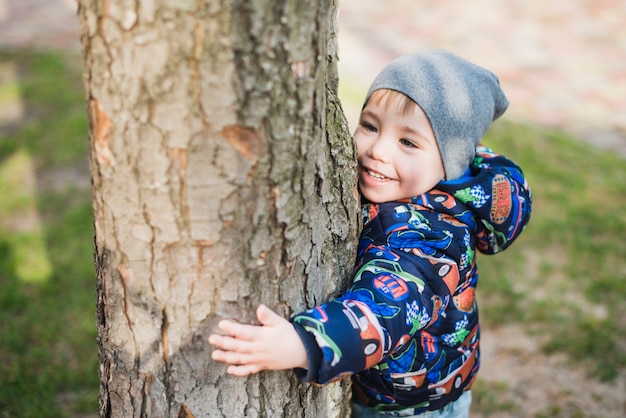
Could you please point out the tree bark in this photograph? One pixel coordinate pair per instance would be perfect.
(223, 177)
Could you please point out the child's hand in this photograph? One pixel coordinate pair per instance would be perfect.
(274, 345)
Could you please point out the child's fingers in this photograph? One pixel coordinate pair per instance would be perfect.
(227, 343)
(240, 364)
(218, 341)
(268, 317)
(243, 370)
(237, 330)
(230, 357)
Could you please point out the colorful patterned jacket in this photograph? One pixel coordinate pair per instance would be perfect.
(407, 328)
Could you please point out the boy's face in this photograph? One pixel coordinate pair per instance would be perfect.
(397, 152)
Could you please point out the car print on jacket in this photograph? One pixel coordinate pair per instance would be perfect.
(377, 267)
(370, 332)
(458, 370)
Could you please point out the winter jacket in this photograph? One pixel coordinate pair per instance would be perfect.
(407, 328)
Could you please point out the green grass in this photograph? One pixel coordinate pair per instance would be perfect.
(48, 351)
(491, 400)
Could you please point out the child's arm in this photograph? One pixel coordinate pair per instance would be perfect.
(498, 195)
(510, 212)
(273, 345)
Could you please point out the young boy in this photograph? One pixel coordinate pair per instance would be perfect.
(407, 329)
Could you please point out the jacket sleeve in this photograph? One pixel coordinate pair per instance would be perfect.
(387, 303)
(500, 197)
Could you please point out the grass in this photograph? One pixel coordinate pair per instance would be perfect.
(491, 399)
(48, 351)
(563, 279)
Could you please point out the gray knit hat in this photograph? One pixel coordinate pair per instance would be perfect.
(460, 99)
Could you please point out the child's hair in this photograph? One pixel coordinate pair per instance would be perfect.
(387, 98)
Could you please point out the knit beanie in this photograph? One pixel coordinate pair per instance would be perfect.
(460, 99)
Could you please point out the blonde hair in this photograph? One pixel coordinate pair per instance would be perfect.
(389, 98)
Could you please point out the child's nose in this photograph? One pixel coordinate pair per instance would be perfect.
(379, 150)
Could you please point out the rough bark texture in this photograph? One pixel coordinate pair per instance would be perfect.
(223, 177)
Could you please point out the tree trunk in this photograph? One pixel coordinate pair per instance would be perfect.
(223, 177)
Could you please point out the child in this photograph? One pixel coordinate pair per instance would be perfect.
(407, 329)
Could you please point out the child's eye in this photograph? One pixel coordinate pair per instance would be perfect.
(368, 127)
(408, 143)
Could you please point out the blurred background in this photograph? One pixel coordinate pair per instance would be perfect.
(562, 63)
(553, 307)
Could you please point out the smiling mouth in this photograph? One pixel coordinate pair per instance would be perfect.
(377, 176)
